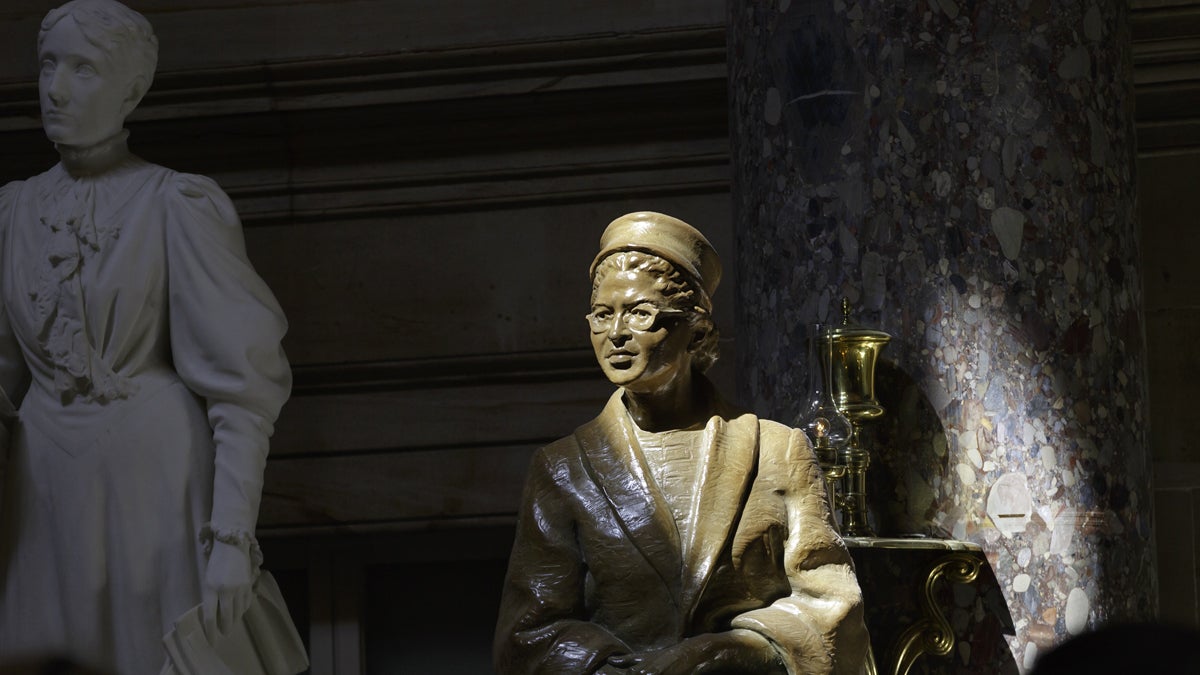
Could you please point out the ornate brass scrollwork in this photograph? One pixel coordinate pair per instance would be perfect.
(932, 633)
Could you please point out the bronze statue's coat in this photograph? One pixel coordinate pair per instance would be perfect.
(598, 567)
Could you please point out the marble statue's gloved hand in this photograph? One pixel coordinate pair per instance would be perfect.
(735, 651)
(228, 586)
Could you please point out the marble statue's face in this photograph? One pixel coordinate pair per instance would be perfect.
(82, 91)
(641, 343)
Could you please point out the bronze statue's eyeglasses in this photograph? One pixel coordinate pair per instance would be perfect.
(639, 317)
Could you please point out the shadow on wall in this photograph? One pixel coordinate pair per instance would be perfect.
(1122, 649)
(904, 458)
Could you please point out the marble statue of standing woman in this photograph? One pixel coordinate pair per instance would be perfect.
(141, 356)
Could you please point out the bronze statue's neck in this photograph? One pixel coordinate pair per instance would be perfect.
(94, 159)
(686, 403)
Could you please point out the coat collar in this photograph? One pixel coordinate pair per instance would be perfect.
(726, 467)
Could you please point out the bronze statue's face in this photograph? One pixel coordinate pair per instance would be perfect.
(640, 341)
(83, 93)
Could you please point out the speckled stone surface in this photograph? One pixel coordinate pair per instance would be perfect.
(962, 172)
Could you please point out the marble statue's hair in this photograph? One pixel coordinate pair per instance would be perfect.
(680, 291)
(113, 27)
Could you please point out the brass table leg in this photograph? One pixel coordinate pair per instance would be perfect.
(932, 633)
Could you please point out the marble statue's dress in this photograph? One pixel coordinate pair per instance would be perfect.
(152, 354)
(599, 566)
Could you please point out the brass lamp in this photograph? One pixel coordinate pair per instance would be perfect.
(854, 352)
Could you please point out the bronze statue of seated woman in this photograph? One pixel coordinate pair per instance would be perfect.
(674, 533)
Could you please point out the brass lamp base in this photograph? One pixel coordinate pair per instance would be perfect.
(856, 459)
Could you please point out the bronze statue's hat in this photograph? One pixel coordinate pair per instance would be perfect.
(666, 237)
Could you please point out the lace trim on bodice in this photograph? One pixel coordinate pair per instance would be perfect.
(67, 211)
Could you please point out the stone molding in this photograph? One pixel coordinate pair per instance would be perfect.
(1166, 73)
(651, 58)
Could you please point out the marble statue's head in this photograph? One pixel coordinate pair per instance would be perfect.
(97, 60)
(652, 286)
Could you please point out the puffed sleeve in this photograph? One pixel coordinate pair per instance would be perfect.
(14, 373)
(819, 628)
(226, 331)
(543, 626)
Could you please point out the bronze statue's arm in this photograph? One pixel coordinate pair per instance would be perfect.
(818, 628)
(543, 626)
(732, 652)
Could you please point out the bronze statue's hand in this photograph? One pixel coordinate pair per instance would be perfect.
(733, 651)
(228, 586)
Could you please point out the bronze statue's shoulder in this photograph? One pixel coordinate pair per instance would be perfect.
(562, 447)
(766, 426)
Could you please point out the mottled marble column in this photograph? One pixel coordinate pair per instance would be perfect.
(962, 172)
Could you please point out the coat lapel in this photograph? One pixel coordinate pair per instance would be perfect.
(616, 463)
(724, 473)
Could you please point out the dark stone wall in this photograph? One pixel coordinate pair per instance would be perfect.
(962, 173)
